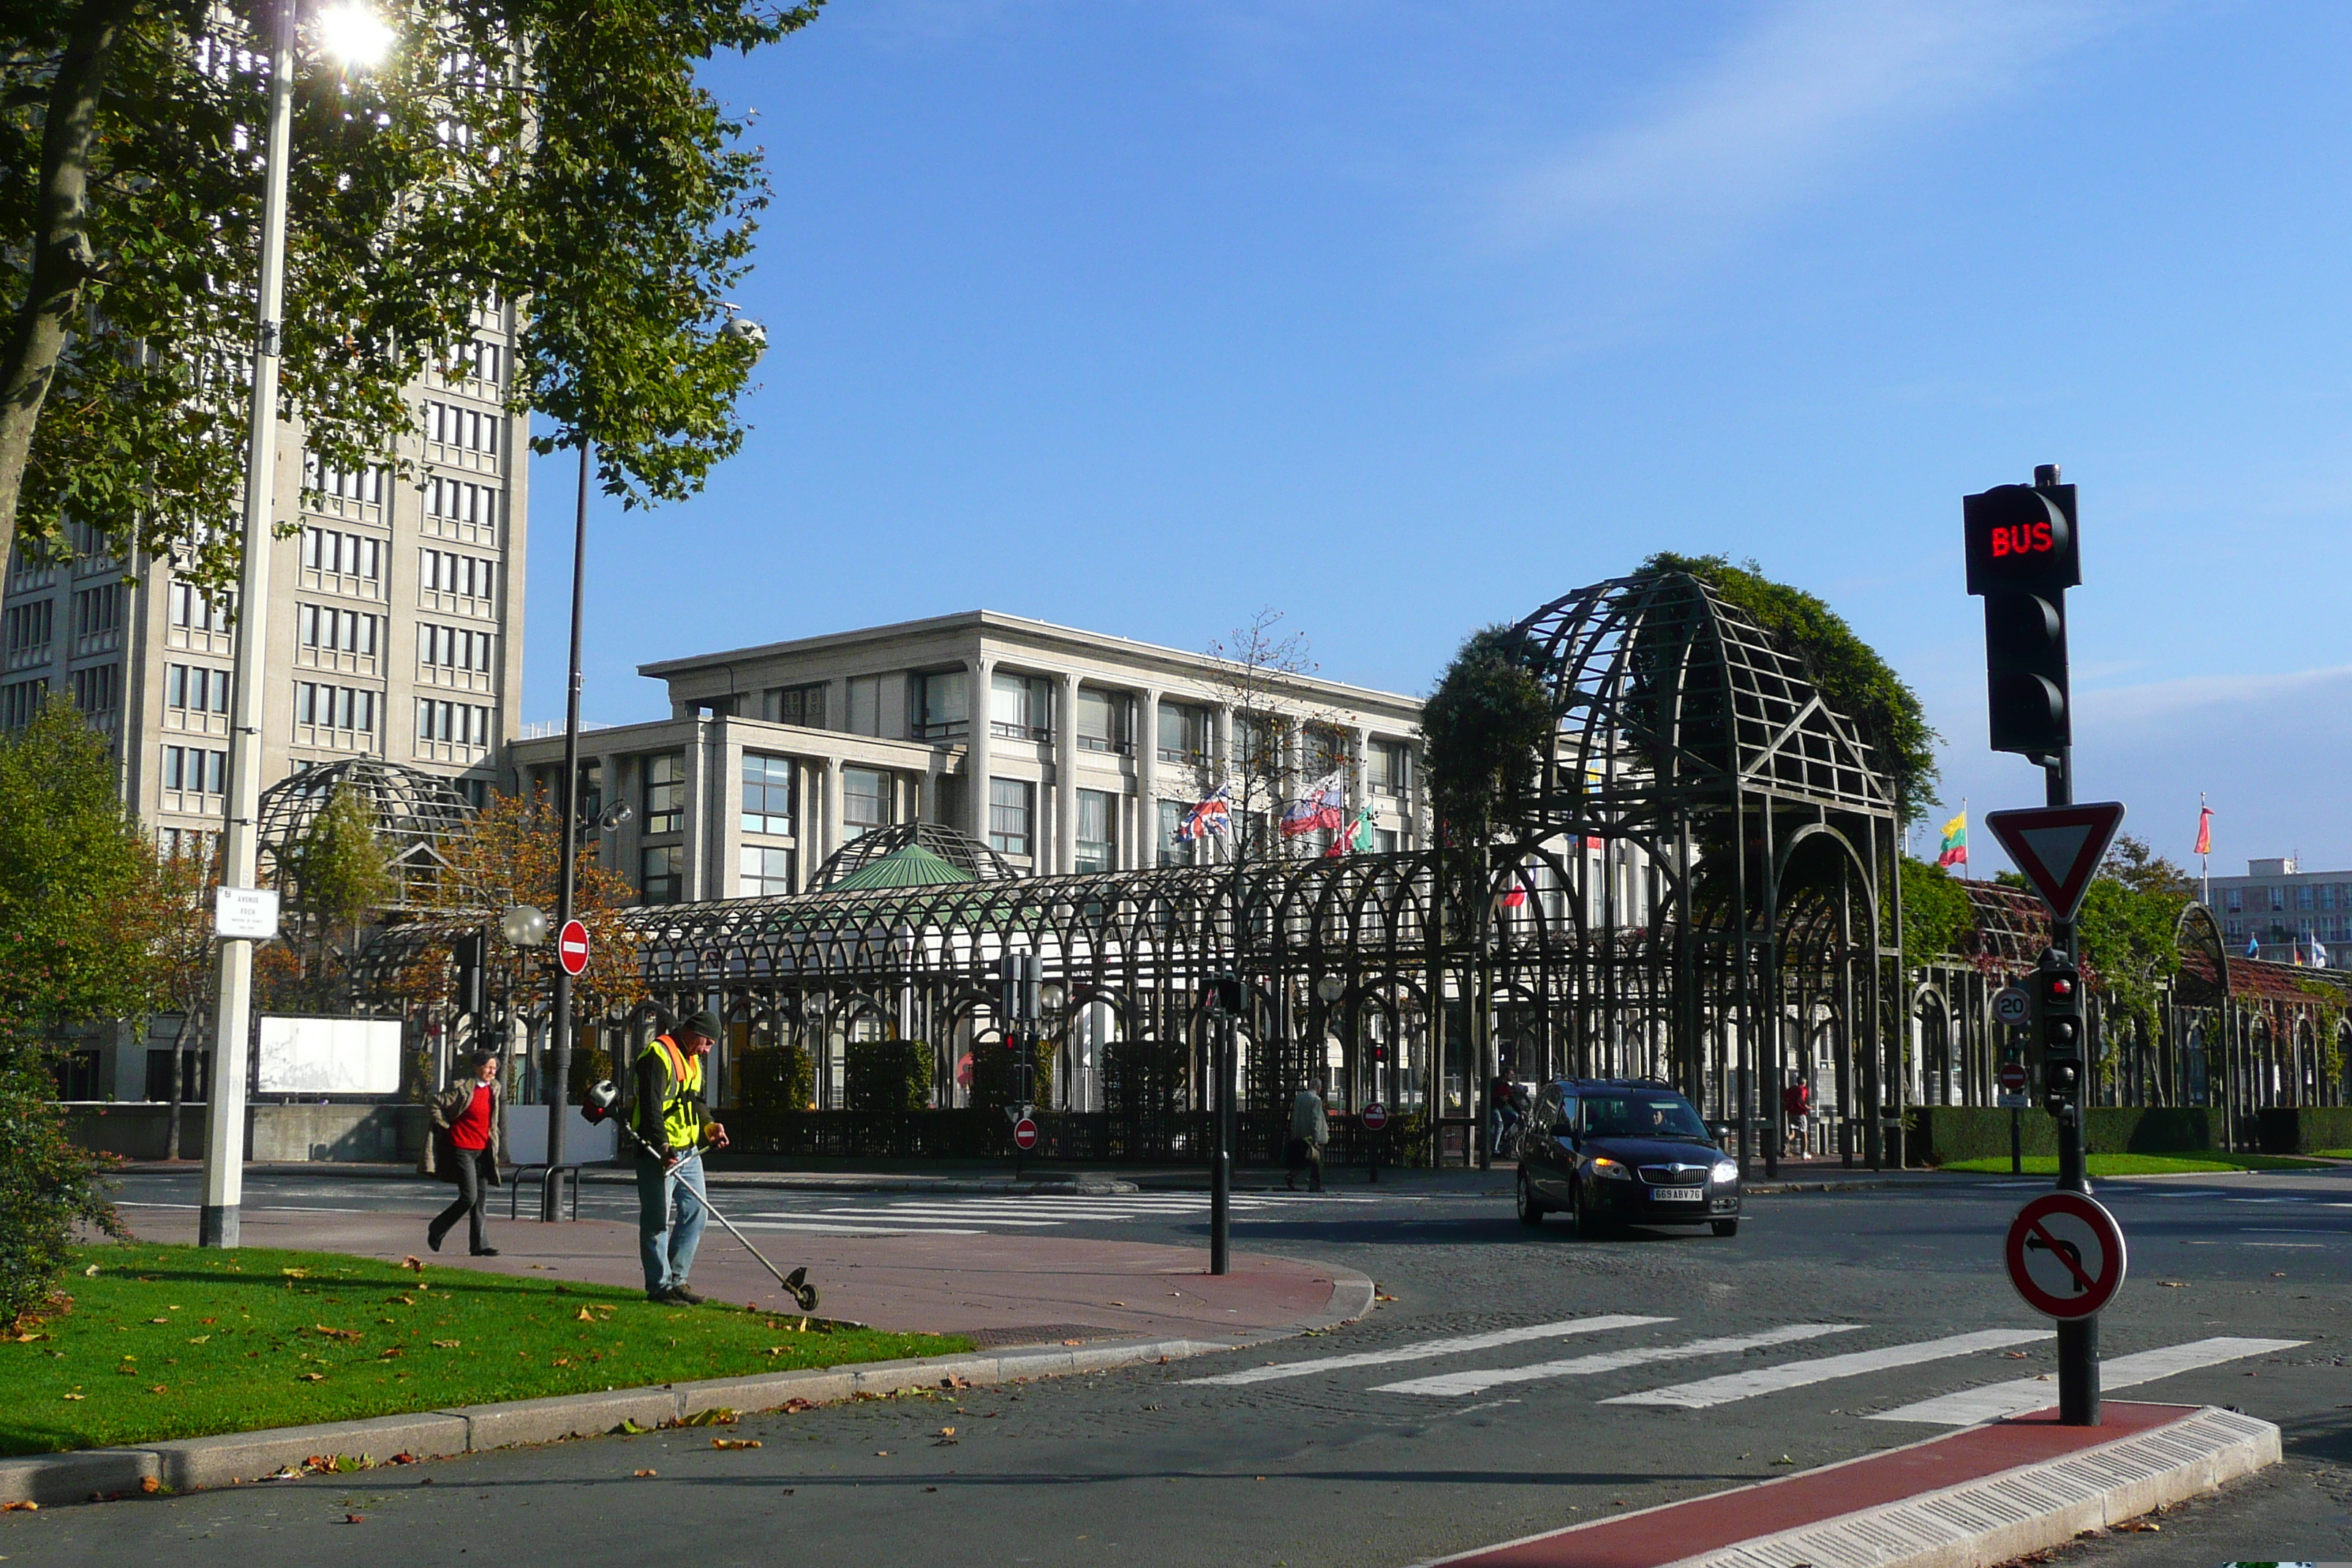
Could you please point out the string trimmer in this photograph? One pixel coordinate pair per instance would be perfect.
(598, 1106)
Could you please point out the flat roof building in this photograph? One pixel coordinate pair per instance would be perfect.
(2284, 910)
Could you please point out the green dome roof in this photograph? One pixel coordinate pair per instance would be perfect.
(911, 867)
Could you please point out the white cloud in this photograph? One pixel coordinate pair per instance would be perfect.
(1782, 109)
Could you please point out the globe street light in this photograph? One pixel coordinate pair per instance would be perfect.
(216, 1220)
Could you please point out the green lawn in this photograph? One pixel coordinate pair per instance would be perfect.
(172, 1342)
(2145, 1164)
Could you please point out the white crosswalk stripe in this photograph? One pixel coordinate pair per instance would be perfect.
(1736, 1386)
(1424, 1350)
(821, 1228)
(1460, 1382)
(976, 1214)
(1994, 1401)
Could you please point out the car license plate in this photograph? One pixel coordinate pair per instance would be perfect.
(1676, 1194)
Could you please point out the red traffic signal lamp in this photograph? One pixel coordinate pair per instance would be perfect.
(2022, 555)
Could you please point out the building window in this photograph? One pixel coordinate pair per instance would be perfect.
(802, 705)
(865, 802)
(447, 572)
(1098, 837)
(97, 688)
(666, 792)
(97, 613)
(1019, 708)
(329, 552)
(461, 500)
(195, 770)
(1391, 768)
(1012, 806)
(1184, 733)
(2234, 901)
(2302, 895)
(1258, 743)
(193, 688)
(327, 707)
(24, 629)
(1102, 722)
(2278, 901)
(1171, 817)
(767, 795)
(946, 711)
(324, 629)
(452, 647)
(862, 697)
(452, 723)
(661, 873)
(764, 872)
(365, 485)
(1385, 841)
(470, 430)
(196, 613)
(20, 700)
(1327, 751)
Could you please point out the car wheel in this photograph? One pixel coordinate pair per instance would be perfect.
(1725, 1227)
(1588, 1218)
(1531, 1208)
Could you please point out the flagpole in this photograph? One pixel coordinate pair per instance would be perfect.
(2204, 859)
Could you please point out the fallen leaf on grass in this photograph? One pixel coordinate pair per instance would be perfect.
(413, 1261)
(734, 1442)
(27, 1337)
(586, 1316)
(344, 1334)
(200, 1339)
(77, 1396)
(91, 1271)
(389, 1352)
(311, 1377)
(295, 1273)
(159, 1319)
(157, 1389)
(447, 1344)
(642, 1475)
(403, 1301)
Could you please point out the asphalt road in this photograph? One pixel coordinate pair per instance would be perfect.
(1715, 1362)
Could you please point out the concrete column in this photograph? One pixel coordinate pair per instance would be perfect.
(1145, 846)
(979, 755)
(831, 803)
(696, 752)
(1065, 772)
(1359, 774)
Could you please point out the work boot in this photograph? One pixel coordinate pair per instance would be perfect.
(682, 1293)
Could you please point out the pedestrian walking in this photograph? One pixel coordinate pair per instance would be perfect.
(1310, 1129)
(675, 1127)
(465, 1134)
(1796, 1104)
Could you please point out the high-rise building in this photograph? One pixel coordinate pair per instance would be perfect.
(2288, 914)
(396, 617)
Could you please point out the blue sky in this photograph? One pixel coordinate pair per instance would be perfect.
(1406, 319)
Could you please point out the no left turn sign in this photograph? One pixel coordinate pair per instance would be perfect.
(2065, 1255)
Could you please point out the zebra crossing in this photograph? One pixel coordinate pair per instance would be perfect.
(1964, 1407)
(956, 1215)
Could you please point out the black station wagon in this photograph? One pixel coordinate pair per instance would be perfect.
(1624, 1152)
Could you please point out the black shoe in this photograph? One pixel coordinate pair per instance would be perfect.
(680, 1292)
(486, 1252)
(433, 1235)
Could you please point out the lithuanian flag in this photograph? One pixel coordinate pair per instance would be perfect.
(1955, 852)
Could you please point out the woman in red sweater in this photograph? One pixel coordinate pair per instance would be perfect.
(465, 1121)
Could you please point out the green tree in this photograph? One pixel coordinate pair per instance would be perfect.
(535, 150)
(341, 875)
(1847, 670)
(1936, 912)
(1485, 729)
(81, 920)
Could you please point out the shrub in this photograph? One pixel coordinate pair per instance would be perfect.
(888, 1075)
(775, 1078)
(47, 1187)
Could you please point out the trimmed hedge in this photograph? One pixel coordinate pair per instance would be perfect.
(2303, 1130)
(888, 1075)
(1942, 1134)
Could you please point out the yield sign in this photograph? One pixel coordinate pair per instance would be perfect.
(2058, 848)
(571, 948)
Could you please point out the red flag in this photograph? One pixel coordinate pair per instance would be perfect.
(2204, 830)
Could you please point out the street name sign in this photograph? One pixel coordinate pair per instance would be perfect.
(1025, 1134)
(1375, 1117)
(2065, 1255)
(245, 914)
(2013, 1006)
(2058, 848)
(571, 948)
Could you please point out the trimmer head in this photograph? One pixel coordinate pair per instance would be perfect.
(598, 1102)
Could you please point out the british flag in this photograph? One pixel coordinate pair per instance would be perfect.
(1211, 817)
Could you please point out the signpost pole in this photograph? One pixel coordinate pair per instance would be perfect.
(2078, 1339)
(2016, 1141)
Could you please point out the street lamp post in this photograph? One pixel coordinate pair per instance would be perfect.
(217, 1219)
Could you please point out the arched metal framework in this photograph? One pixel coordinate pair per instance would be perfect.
(414, 813)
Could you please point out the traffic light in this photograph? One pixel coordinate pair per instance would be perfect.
(469, 954)
(2058, 1020)
(1019, 971)
(2023, 553)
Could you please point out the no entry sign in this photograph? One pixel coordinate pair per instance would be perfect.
(2011, 1078)
(2065, 1255)
(1375, 1117)
(571, 948)
(1025, 1134)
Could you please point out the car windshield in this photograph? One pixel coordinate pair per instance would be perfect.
(1642, 1116)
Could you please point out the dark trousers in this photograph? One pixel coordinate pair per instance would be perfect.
(466, 1165)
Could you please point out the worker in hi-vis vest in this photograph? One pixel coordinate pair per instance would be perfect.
(675, 1128)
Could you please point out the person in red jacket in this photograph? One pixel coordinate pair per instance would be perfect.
(465, 1126)
(1796, 1104)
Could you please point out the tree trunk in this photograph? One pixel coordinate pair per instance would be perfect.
(61, 260)
(179, 1050)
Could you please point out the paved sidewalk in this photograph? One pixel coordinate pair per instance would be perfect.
(998, 1289)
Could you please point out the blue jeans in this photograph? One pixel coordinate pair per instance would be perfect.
(671, 1212)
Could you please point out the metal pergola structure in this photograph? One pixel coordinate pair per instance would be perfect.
(414, 812)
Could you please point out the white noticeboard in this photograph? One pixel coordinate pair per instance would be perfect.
(247, 912)
(328, 1056)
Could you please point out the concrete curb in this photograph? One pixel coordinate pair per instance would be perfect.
(191, 1464)
(2027, 1510)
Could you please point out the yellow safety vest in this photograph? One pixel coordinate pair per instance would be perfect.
(681, 1108)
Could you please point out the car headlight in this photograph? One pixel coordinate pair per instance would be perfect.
(1725, 1171)
(1604, 1166)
